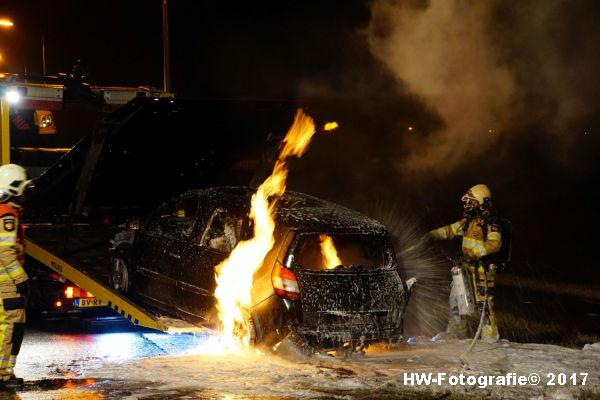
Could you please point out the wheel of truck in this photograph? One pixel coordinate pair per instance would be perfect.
(120, 278)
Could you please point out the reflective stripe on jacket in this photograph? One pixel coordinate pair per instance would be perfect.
(474, 244)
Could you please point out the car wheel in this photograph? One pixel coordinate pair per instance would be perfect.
(120, 277)
(246, 330)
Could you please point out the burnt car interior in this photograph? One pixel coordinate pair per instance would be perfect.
(362, 251)
(177, 219)
(223, 231)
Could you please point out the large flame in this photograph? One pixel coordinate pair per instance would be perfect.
(329, 252)
(235, 275)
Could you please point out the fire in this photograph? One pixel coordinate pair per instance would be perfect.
(329, 253)
(234, 276)
(330, 126)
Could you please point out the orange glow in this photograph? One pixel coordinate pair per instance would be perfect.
(410, 128)
(330, 126)
(234, 276)
(58, 304)
(329, 253)
(69, 292)
(7, 23)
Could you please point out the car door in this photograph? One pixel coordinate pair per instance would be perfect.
(164, 251)
(213, 242)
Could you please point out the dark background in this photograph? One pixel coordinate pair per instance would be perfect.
(544, 177)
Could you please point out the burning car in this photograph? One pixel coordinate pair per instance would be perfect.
(331, 276)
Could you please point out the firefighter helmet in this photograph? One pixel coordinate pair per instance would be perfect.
(13, 180)
(477, 196)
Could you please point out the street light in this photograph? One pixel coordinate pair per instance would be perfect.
(6, 23)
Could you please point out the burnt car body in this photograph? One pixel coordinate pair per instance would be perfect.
(168, 263)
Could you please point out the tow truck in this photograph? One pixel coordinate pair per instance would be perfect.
(149, 149)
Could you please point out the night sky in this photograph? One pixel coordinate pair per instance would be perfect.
(219, 49)
(501, 93)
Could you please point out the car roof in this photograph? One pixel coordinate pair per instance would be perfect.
(298, 211)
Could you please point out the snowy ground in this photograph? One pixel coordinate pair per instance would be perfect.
(157, 366)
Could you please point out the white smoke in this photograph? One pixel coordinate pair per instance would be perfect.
(485, 67)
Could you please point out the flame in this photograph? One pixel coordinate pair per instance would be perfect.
(234, 276)
(330, 126)
(329, 253)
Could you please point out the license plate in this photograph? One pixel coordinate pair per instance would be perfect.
(88, 302)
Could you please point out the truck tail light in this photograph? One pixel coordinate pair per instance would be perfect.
(72, 292)
(284, 282)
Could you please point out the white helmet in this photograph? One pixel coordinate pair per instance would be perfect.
(13, 180)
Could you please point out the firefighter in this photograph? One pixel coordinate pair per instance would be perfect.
(14, 285)
(481, 237)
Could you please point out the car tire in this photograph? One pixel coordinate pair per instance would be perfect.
(120, 278)
(247, 329)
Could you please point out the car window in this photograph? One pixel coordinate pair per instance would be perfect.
(222, 232)
(328, 252)
(177, 218)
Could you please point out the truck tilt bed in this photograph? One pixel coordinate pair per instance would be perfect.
(80, 253)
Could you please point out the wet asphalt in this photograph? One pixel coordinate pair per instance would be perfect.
(56, 354)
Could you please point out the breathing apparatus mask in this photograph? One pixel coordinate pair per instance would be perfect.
(470, 207)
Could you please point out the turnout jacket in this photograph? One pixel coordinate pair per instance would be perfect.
(480, 238)
(11, 246)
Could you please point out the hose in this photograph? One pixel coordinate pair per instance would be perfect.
(463, 356)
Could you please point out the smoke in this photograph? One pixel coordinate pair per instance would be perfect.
(490, 69)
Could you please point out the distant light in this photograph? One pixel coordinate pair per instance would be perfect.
(58, 304)
(156, 99)
(7, 23)
(410, 128)
(12, 96)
